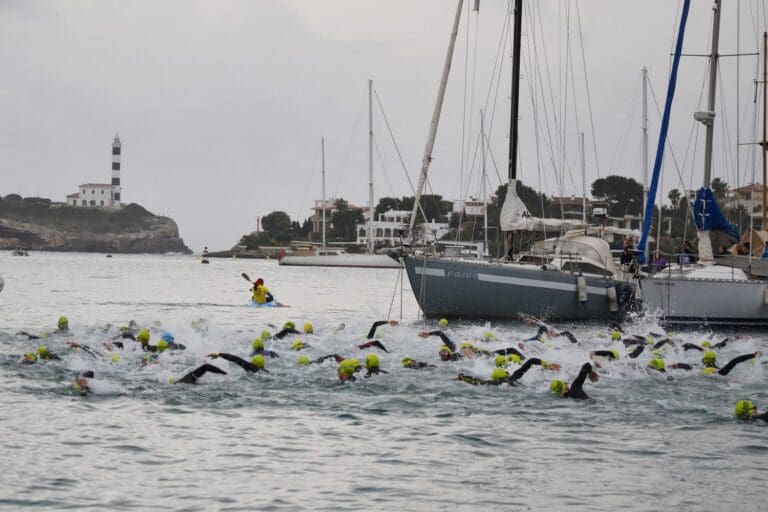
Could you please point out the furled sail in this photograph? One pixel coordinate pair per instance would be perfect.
(516, 217)
(707, 214)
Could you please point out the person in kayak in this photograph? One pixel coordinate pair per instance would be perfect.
(260, 292)
(256, 364)
(575, 390)
(746, 410)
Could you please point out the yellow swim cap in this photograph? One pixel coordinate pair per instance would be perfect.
(258, 345)
(500, 361)
(303, 360)
(499, 374)
(298, 345)
(615, 335)
(308, 328)
(744, 409)
(258, 361)
(143, 336)
(372, 361)
(557, 386)
(162, 346)
(514, 358)
(443, 323)
(709, 358)
(115, 358)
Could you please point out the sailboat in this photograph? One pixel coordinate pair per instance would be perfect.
(334, 257)
(701, 293)
(576, 280)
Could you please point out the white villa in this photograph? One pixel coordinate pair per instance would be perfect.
(389, 224)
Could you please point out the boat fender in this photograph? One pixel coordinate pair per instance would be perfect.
(548, 266)
(581, 287)
(639, 291)
(765, 296)
(613, 302)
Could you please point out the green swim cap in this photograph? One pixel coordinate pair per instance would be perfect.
(615, 335)
(372, 361)
(709, 358)
(499, 374)
(443, 323)
(115, 358)
(407, 362)
(308, 329)
(706, 344)
(348, 367)
(657, 364)
(544, 364)
(557, 386)
(258, 361)
(63, 322)
(303, 360)
(488, 336)
(500, 361)
(615, 353)
(514, 358)
(265, 335)
(76, 387)
(709, 370)
(445, 349)
(172, 380)
(298, 345)
(162, 346)
(744, 408)
(289, 325)
(467, 344)
(143, 336)
(258, 345)
(30, 356)
(42, 351)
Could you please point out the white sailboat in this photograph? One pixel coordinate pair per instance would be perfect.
(331, 257)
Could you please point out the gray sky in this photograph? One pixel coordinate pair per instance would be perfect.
(221, 105)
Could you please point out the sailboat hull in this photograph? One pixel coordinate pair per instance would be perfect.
(342, 260)
(697, 302)
(462, 289)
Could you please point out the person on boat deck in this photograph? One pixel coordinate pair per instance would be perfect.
(659, 263)
(709, 363)
(686, 254)
(575, 390)
(764, 256)
(256, 364)
(746, 410)
(627, 258)
(261, 293)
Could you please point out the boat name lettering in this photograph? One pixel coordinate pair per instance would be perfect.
(470, 275)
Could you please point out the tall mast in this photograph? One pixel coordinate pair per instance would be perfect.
(645, 135)
(370, 166)
(583, 182)
(427, 158)
(484, 192)
(765, 124)
(322, 156)
(515, 110)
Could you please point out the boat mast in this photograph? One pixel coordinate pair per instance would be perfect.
(708, 118)
(484, 192)
(645, 136)
(515, 106)
(370, 167)
(322, 156)
(583, 181)
(764, 143)
(427, 158)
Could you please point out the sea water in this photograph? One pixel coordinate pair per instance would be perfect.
(294, 439)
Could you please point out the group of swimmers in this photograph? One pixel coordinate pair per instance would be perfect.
(349, 368)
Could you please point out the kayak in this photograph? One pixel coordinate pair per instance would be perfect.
(272, 304)
(204, 261)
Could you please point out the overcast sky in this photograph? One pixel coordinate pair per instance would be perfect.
(221, 104)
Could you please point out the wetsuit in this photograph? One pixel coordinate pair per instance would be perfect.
(191, 377)
(724, 342)
(509, 350)
(576, 390)
(510, 379)
(242, 363)
(374, 344)
(336, 357)
(691, 346)
(376, 325)
(419, 365)
(725, 370)
(285, 332)
(606, 353)
(661, 343)
(638, 350)
(448, 342)
(265, 353)
(373, 371)
(634, 340)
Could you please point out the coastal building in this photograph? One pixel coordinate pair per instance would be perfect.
(330, 209)
(388, 225)
(102, 195)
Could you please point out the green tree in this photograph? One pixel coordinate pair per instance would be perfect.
(674, 198)
(386, 204)
(623, 195)
(345, 223)
(253, 241)
(719, 188)
(341, 204)
(278, 226)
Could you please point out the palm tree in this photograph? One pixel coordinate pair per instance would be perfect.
(674, 197)
(719, 189)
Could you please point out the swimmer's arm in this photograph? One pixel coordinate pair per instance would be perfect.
(725, 370)
(691, 346)
(509, 350)
(376, 325)
(681, 366)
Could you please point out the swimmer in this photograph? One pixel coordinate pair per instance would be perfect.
(258, 349)
(347, 369)
(575, 390)
(610, 355)
(416, 365)
(448, 352)
(288, 328)
(706, 344)
(194, 375)
(373, 344)
(80, 385)
(500, 376)
(171, 341)
(256, 364)
(372, 366)
(746, 410)
(709, 363)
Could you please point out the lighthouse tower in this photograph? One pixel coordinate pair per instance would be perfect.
(116, 147)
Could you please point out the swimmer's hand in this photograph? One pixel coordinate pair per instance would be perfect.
(213, 355)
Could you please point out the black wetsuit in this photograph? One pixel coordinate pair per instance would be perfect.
(265, 353)
(691, 346)
(638, 350)
(191, 377)
(608, 354)
(373, 371)
(725, 370)
(376, 325)
(634, 340)
(374, 344)
(419, 365)
(242, 363)
(337, 357)
(285, 332)
(509, 350)
(448, 342)
(661, 343)
(510, 379)
(575, 390)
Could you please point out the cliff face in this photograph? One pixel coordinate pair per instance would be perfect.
(36, 225)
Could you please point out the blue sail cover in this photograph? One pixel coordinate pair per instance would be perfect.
(707, 215)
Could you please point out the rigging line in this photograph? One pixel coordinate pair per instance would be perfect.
(383, 166)
(473, 83)
(727, 151)
(589, 95)
(564, 104)
(397, 148)
(462, 147)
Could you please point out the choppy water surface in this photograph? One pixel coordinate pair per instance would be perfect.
(295, 439)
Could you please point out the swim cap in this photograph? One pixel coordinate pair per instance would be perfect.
(63, 322)
(656, 364)
(557, 386)
(348, 367)
(615, 335)
(167, 337)
(514, 358)
(467, 344)
(298, 345)
(709, 358)
(289, 325)
(372, 362)
(706, 344)
(407, 362)
(615, 353)
(499, 374)
(500, 361)
(258, 361)
(544, 364)
(744, 408)
(30, 356)
(488, 336)
(303, 360)
(265, 335)
(115, 358)
(172, 380)
(709, 370)
(162, 346)
(445, 349)
(42, 351)
(308, 328)
(258, 345)
(443, 322)
(143, 336)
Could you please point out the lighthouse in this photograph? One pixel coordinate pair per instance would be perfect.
(116, 148)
